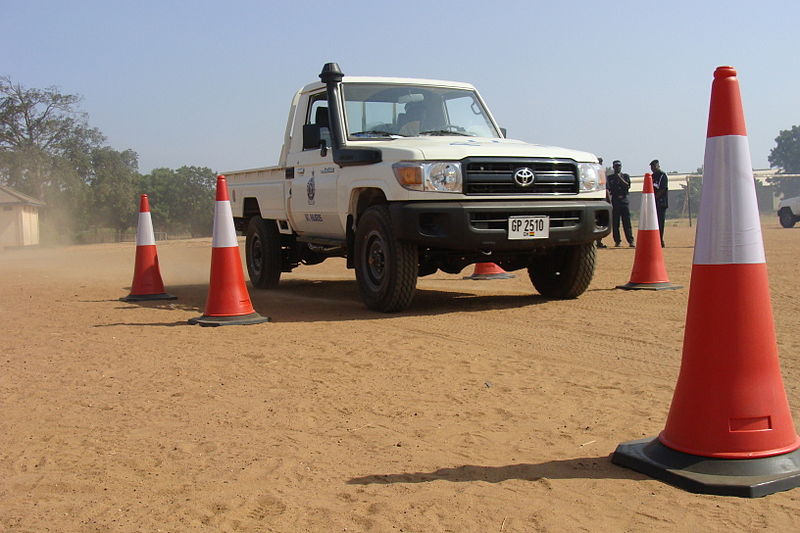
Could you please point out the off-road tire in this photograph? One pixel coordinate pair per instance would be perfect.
(263, 253)
(786, 217)
(564, 272)
(386, 268)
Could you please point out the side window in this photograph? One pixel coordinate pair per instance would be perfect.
(318, 114)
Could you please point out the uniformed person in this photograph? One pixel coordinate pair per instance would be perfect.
(618, 186)
(600, 241)
(661, 190)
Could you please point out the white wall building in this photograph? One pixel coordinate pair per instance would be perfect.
(19, 218)
(678, 181)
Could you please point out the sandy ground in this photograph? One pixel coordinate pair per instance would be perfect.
(484, 408)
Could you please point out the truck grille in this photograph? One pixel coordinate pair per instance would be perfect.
(496, 176)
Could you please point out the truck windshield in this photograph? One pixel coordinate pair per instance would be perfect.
(389, 110)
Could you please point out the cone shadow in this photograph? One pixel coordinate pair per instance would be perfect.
(581, 468)
(334, 301)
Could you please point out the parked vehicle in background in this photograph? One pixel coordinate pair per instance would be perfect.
(405, 177)
(789, 211)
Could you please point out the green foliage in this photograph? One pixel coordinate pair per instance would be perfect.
(112, 177)
(182, 200)
(685, 201)
(49, 151)
(691, 193)
(786, 157)
(45, 147)
(39, 130)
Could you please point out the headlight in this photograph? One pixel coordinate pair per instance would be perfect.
(591, 177)
(437, 176)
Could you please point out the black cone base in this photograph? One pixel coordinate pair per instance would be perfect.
(746, 478)
(665, 286)
(241, 320)
(501, 275)
(146, 297)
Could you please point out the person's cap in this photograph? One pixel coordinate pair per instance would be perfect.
(654, 162)
(617, 162)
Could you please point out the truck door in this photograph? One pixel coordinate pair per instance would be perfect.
(312, 193)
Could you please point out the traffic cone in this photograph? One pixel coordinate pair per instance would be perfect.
(228, 301)
(648, 270)
(729, 430)
(489, 271)
(147, 283)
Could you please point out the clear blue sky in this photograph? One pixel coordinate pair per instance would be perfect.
(209, 83)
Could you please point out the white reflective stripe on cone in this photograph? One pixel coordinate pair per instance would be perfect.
(144, 230)
(648, 220)
(728, 226)
(224, 231)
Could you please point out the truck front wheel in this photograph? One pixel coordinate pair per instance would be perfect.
(386, 268)
(263, 253)
(563, 272)
(786, 217)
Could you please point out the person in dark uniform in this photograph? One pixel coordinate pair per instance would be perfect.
(661, 190)
(600, 241)
(618, 185)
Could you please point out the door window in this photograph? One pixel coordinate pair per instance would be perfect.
(318, 114)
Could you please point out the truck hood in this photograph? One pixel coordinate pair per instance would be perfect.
(455, 148)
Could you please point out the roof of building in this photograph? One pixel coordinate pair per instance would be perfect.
(11, 196)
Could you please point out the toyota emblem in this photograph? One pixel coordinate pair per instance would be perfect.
(524, 176)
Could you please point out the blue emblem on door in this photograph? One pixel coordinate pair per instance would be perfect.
(311, 191)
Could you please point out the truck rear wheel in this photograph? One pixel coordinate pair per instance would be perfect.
(564, 272)
(786, 217)
(386, 268)
(263, 253)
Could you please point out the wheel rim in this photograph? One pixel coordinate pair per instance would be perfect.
(375, 260)
(256, 256)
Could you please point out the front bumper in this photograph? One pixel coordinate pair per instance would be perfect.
(478, 225)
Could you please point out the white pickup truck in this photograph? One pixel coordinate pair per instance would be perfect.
(405, 177)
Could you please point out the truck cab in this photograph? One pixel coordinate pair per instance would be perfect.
(405, 177)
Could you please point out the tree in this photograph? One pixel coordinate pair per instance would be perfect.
(112, 178)
(786, 157)
(49, 151)
(182, 199)
(690, 193)
(39, 127)
(45, 151)
(199, 185)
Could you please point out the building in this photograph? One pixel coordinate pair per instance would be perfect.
(767, 201)
(19, 218)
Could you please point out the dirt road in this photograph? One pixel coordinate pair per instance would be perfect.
(484, 408)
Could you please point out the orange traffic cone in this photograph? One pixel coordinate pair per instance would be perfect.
(648, 270)
(729, 430)
(147, 283)
(488, 271)
(228, 301)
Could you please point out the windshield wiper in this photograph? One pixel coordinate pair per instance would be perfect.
(372, 133)
(444, 132)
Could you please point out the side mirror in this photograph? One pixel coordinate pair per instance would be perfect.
(312, 139)
(311, 136)
(504, 132)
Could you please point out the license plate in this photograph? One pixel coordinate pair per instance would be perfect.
(537, 227)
